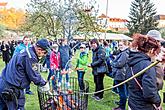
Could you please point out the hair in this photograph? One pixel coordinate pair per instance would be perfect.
(145, 43)
(63, 39)
(25, 37)
(94, 41)
(125, 42)
(105, 43)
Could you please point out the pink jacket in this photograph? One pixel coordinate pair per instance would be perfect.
(54, 60)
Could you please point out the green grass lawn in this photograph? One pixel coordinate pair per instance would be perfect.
(32, 102)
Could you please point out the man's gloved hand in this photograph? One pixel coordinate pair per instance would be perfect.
(45, 88)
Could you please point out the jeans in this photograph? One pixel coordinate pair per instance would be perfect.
(116, 90)
(51, 72)
(28, 88)
(98, 80)
(60, 78)
(54, 80)
(122, 94)
(81, 79)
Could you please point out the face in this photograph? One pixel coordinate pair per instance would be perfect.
(64, 42)
(55, 49)
(94, 45)
(40, 52)
(82, 49)
(26, 41)
(121, 46)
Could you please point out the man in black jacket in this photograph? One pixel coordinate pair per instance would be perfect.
(99, 68)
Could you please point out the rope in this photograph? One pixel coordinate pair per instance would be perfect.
(134, 76)
(70, 59)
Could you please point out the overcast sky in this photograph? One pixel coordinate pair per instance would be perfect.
(116, 8)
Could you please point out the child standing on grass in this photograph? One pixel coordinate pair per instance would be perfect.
(82, 66)
(54, 65)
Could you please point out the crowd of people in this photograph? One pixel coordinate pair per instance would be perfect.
(118, 60)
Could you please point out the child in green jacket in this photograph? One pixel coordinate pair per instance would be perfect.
(82, 66)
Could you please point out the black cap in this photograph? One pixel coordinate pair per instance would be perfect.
(44, 44)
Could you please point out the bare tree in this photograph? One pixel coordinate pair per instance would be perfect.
(60, 18)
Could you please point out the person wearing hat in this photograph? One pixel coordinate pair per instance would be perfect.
(54, 65)
(81, 66)
(159, 68)
(19, 73)
(156, 35)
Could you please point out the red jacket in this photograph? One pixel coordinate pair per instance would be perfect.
(54, 60)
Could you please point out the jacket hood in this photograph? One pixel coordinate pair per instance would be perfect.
(135, 57)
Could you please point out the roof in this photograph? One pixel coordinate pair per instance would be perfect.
(103, 16)
(108, 36)
(159, 17)
(3, 3)
(117, 20)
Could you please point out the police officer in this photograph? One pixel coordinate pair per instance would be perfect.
(18, 74)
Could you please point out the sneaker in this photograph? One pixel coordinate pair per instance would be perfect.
(29, 92)
(93, 96)
(98, 98)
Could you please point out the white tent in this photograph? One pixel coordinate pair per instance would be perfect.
(107, 36)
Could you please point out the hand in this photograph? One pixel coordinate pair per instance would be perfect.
(160, 108)
(45, 88)
(64, 72)
(161, 55)
(89, 65)
(70, 71)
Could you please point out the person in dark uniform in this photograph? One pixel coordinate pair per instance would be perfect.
(5, 52)
(18, 74)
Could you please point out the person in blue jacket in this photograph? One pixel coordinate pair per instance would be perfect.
(19, 73)
(65, 56)
(25, 43)
(119, 67)
(143, 91)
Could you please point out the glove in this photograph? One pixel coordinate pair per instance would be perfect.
(45, 88)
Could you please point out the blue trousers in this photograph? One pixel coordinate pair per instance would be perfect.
(81, 79)
(122, 94)
(54, 81)
(11, 105)
(60, 78)
(51, 72)
(28, 88)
